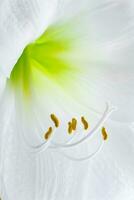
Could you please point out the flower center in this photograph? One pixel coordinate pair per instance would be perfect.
(47, 58)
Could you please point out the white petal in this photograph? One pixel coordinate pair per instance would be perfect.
(48, 175)
(17, 167)
(109, 28)
(21, 22)
(51, 176)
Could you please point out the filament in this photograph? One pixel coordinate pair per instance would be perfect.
(38, 148)
(105, 115)
(84, 158)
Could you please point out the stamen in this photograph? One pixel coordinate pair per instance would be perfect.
(53, 145)
(35, 149)
(85, 123)
(104, 133)
(74, 124)
(48, 133)
(70, 129)
(55, 120)
(104, 117)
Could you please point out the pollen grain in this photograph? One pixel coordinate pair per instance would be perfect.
(48, 133)
(104, 133)
(74, 124)
(55, 120)
(70, 129)
(85, 123)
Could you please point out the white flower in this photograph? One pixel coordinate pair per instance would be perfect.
(61, 63)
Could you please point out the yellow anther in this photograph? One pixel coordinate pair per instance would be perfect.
(104, 133)
(74, 124)
(85, 123)
(48, 133)
(55, 120)
(70, 129)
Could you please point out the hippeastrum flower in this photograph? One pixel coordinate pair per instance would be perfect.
(62, 62)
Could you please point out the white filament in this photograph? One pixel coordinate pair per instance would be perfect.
(38, 148)
(84, 158)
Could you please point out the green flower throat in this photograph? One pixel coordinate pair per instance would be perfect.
(47, 57)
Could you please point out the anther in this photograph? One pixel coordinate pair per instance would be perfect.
(85, 123)
(104, 133)
(48, 133)
(74, 124)
(55, 120)
(70, 129)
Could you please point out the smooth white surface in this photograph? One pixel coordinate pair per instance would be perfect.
(20, 23)
(49, 176)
